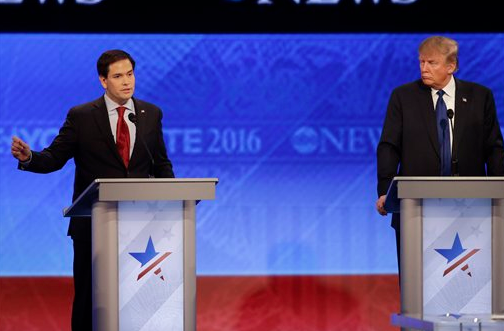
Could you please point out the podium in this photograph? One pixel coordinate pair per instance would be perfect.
(452, 252)
(143, 251)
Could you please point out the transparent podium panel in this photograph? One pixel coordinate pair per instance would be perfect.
(449, 322)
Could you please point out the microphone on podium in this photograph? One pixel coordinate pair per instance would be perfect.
(454, 168)
(134, 119)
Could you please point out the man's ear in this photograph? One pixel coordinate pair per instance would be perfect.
(103, 81)
(451, 68)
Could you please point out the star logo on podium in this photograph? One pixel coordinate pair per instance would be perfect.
(149, 258)
(457, 253)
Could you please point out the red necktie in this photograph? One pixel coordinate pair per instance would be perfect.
(122, 136)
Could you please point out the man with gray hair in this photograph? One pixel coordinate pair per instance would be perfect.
(418, 138)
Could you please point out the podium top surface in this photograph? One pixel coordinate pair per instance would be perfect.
(141, 189)
(442, 187)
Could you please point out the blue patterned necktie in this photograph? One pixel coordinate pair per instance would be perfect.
(443, 135)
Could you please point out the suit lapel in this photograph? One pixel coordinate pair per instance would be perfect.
(140, 126)
(429, 115)
(461, 111)
(102, 121)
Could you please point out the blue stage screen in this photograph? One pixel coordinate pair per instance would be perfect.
(288, 123)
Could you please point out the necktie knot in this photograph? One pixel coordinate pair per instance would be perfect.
(440, 93)
(121, 110)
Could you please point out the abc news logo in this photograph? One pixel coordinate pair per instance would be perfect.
(335, 140)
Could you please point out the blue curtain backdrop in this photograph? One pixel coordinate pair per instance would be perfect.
(289, 124)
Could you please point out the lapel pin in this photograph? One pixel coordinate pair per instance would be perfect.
(143, 111)
(464, 100)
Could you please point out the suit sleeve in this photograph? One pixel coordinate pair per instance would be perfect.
(59, 152)
(494, 151)
(390, 145)
(162, 164)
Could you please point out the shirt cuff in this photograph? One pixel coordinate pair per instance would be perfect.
(26, 163)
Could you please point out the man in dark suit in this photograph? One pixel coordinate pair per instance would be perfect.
(114, 136)
(414, 132)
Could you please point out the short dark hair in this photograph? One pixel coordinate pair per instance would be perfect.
(109, 57)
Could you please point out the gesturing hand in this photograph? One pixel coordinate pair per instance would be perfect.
(20, 150)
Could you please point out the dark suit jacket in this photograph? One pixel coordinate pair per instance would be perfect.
(409, 145)
(87, 137)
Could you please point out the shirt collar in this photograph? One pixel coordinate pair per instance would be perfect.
(112, 105)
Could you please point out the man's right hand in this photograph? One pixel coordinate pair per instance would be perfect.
(20, 150)
(380, 205)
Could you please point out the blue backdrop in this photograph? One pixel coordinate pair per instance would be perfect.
(289, 123)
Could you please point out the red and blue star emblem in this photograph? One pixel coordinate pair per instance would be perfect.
(458, 253)
(149, 258)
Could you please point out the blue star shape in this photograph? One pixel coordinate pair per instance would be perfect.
(451, 253)
(146, 256)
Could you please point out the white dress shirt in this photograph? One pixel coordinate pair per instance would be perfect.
(114, 116)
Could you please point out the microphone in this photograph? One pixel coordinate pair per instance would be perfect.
(450, 114)
(134, 119)
(454, 165)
